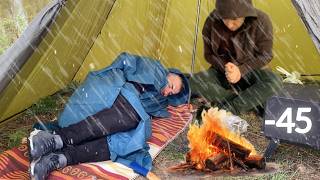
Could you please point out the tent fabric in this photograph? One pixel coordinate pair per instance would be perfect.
(171, 41)
(309, 10)
(14, 163)
(58, 57)
(14, 57)
(88, 35)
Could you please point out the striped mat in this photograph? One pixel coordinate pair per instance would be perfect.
(14, 163)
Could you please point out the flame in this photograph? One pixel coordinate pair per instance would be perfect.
(201, 138)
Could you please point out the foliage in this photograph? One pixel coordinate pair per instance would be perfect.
(45, 105)
(6, 33)
(51, 104)
(21, 23)
(10, 29)
(70, 88)
(16, 137)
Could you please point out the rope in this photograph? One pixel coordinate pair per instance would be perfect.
(310, 74)
(195, 43)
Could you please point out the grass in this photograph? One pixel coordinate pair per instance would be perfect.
(16, 137)
(45, 105)
(52, 104)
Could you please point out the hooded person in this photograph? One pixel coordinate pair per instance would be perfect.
(238, 42)
(108, 117)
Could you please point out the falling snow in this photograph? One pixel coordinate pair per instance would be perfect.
(170, 31)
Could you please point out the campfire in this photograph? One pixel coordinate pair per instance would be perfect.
(215, 146)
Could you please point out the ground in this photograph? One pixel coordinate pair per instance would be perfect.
(295, 162)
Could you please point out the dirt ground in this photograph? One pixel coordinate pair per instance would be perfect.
(294, 162)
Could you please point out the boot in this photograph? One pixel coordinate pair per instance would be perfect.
(42, 142)
(42, 167)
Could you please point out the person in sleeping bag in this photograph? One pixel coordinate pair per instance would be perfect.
(108, 117)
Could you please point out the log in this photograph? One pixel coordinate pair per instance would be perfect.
(214, 163)
(239, 151)
(224, 165)
(180, 167)
(240, 163)
(188, 157)
(255, 161)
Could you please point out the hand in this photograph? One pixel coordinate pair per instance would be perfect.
(233, 73)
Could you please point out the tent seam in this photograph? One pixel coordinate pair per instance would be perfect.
(163, 24)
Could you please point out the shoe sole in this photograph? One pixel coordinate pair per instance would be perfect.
(32, 165)
(30, 143)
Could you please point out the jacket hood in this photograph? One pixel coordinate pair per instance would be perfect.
(227, 9)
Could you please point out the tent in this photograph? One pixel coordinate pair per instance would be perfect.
(70, 38)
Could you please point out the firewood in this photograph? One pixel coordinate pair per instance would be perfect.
(188, 157)
(240, 163)
(180, 167)
(238, 150)
(230, 156)
(224, 165)
(255, 162)
(213, 163)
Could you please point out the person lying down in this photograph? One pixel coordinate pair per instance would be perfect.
(108, 117)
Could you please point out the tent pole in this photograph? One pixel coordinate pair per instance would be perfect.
(194, 50)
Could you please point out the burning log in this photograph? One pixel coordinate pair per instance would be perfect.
(238, 150)
(255, 162)
(217, 162)
(188, 157)
(240, 163)
(239, 154)
(213, 146)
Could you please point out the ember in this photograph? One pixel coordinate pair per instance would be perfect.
(214, 146)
